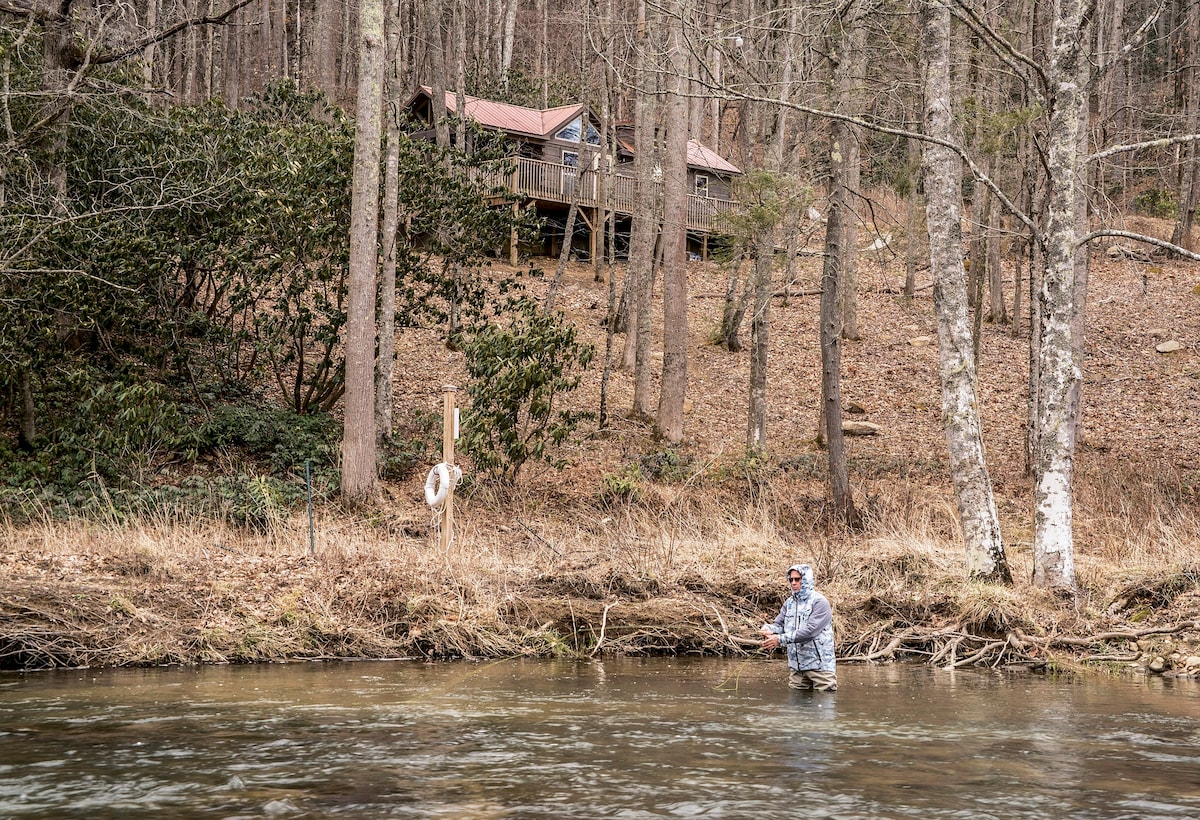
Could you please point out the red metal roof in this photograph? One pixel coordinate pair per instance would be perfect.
(513, 118)
(701, 156)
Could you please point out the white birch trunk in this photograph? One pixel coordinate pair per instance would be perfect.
(1059, 374)
(960, 402)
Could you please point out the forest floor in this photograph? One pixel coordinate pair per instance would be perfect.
(689, 555)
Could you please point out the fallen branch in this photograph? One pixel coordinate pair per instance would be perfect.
(603, 626)
(1130, 635)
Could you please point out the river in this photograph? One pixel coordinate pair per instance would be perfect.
(624, 737)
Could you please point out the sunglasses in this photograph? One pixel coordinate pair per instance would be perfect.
(794, 578)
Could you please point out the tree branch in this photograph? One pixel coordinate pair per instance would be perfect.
(163, 34)
(1138, 237)
(1001, 47)
(25, 8)
(1101, 69)
(1137, 146)
(976, 171)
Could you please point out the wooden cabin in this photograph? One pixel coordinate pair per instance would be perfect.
(557, 153)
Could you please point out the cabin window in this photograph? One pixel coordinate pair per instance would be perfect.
(701, 185)
(571, 131)
(570, 161)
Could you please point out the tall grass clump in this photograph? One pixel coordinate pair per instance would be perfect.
(1138, 515)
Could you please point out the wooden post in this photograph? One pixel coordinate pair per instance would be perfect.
(448, 431)
(592, 239)
(512, 240)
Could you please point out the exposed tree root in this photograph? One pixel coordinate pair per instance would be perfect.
(954, 648)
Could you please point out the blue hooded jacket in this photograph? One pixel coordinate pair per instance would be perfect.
(805, 626)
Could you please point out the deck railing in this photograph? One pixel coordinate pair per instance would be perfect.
(554, 182)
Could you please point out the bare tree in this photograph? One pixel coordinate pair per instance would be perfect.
(1188, 173)
(831, 329)
(674, 237)
(645, 226)
(1060, 376)
(385, 363)
(850, 56)
(358, 438)
(773, 124)
(435, 49)
(507, 39)
(322, 35)
(960, 402)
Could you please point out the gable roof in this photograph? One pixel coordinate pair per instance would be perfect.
(701, 156)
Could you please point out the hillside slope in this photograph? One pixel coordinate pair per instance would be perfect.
(1140, 419)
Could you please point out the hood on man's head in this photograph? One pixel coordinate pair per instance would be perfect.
(806, 585)
(806, 571)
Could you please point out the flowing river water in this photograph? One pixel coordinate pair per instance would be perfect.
(630, 738)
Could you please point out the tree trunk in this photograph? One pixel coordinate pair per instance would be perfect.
(602, 214)
(385, 364)
(1112, 107)
(323, 34)
(645, 228)
(737, 302)
(58, 79)
(960, 402)
(564, 253)
(28, 427)
(831, 332)
(358, 441)
(1036, 270)
(436, 51)
(997, 309)
(673, 391)
(760, 327)
(506, 49)
(849, 71)
(913, 222)
(348, 39)
(149, 53)
(1188, 189)
(459, 12)
(774, 129)
(1059, 375)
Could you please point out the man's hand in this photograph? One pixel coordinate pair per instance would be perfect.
(771, 642)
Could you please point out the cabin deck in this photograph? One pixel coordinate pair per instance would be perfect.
(562, 184)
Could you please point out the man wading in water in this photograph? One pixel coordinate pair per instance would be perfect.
(805, 626)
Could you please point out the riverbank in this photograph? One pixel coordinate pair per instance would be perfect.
(635, 547)
(677, 580)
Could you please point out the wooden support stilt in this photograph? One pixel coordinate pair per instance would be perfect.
(512, 239)
(593, 244)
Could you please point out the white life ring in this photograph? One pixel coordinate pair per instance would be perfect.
(437, 485)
